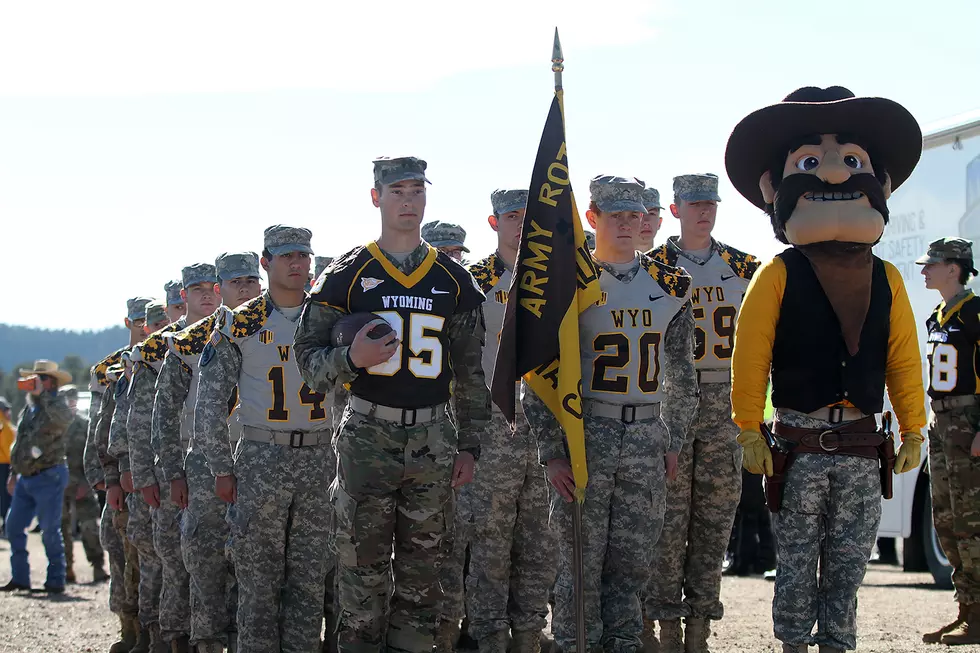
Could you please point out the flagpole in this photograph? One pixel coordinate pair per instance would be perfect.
(578, 561)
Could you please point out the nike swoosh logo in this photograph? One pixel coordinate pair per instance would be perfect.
(724, 278)
(653, 299)
(439, 292)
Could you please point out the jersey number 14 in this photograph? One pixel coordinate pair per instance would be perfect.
(279, 412)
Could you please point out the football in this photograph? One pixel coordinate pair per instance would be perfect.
(347, 327)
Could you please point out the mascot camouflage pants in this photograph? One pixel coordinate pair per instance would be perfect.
(953, 473)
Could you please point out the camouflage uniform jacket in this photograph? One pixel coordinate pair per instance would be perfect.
(75, 451)
(680, 379)
(324, 366)
(99, 383)
(41, 434)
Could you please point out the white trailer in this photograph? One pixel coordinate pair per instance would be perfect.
(941, 198)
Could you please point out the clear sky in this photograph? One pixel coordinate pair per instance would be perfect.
(136, 138)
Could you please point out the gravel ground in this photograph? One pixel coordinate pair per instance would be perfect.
(894, 609)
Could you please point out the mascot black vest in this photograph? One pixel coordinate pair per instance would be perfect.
(811, 367)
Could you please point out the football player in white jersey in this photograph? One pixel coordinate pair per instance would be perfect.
(639, 390)
(686, 575)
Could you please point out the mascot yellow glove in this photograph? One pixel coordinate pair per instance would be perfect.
(756, 456)
(910, 453)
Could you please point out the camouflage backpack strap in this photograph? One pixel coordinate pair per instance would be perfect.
(675, 281)
(742, 264)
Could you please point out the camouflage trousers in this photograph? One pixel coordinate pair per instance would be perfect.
(123, 562)
(139, 530)
(953, 473)
(512, 551)
(203, 537)
(451, 571)
(279, 529)
(685, 579)
(175, 591)
(86, 515)
(622, 515)
(392, 489)
(825, 532)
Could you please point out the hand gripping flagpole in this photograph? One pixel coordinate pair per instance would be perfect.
(578, 562)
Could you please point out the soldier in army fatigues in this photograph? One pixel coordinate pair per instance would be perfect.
(176, 306)
(512, 565)
(101, 472)
(639, 389)
(953, 350)
(203, 529)
(396, 447)
(701, 503)
(447, 238)
(81, 506)
(276, 481)
(651, 222)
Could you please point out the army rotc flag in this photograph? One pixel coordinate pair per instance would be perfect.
(539, 340)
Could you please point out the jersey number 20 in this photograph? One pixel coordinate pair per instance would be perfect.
(615, 348)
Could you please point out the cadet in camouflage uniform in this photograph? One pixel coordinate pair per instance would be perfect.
(80, 500)
(279, 525)
(701, 503)
(635, 417)
(123, 558)
(512, 564)
(447, 238)
(954, 350)
(139, 529)
(37, 458)
(176, 306)
(651, 222)
(396, 447)
(204, 529)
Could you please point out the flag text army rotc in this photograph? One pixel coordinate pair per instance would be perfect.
(276, 479)
(831, 325)
(638, 392)
(953, 349)
(396, 447)
(685, 580)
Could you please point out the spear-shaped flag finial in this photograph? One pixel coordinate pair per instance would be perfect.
(557, 61)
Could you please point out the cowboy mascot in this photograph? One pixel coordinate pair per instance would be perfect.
(829, 324)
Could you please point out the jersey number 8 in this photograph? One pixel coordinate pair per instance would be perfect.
(421, 340)
(944, 368)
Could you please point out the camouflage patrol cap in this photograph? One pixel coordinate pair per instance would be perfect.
(444, 234)
(390, 170)
(320, 264)
(156, 311)
(590, 239)
(68, 391)
(696, 188)
(198, 273)
(234, 265)
(945, 250)
(612, 194)
(136, 307)
(505, 201)
(651, 198)
(282, 239)
(173, 288)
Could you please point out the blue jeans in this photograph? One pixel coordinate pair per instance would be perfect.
(4, 497)
(41, 495)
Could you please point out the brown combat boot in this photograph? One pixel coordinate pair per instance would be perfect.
(830, 649)
(181, 645)
(99, 574)
(936, 636)
(671, 636)
(649, 638)
(129, 628)
(795, 648)
(157, 645)
(143, 641)
(447, 632)
(968, 632)
(526, 641)
(495, 643)
(696, 633)
(70, 574)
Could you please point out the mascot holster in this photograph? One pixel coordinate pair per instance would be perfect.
(830, 325)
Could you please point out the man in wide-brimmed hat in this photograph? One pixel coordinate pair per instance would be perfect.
(38, 460)
(832, 326)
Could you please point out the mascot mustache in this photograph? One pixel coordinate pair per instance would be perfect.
(793, 187)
